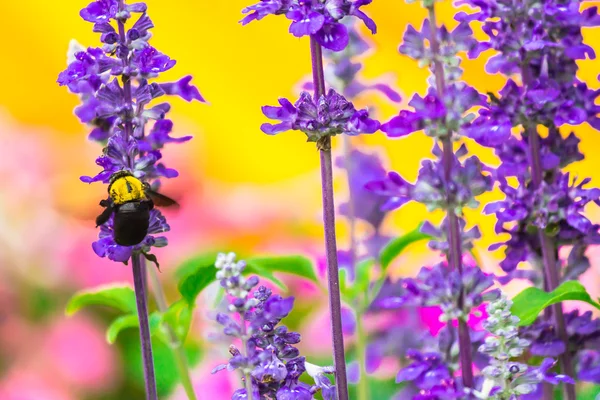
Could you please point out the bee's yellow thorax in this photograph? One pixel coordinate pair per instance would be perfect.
(126, 188)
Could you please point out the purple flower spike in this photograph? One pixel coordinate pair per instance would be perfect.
(114, 85)
(270, 363)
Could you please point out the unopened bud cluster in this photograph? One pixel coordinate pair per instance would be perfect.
(234, 283)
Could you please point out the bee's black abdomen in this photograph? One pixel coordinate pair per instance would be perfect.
(131, 223)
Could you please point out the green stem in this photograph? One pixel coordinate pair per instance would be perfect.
(247, 378)
(361, 347)
(175, 345)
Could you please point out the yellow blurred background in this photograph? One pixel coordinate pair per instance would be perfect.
(240, 189)
(233, 167)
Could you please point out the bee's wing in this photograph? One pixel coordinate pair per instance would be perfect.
(160, 199)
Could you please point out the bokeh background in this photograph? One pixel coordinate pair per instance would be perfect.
(240, 190)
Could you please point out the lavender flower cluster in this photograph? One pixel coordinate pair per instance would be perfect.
(118, 101)
(330, 115)
(268, 361)
(315, 18)
(551, 96)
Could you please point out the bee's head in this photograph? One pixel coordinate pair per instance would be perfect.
(119, 174)
(125, 187)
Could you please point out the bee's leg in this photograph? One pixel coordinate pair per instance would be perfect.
(105, 202)
(102, 218)
(150, 204)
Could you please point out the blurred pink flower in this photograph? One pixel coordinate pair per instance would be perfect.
(80, 355)
(430, 316)
(24, 385)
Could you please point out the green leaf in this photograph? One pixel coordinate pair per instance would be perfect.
(191, 285)
(197, 273)
(131, 321)
(295, 265)
(528, 304)
(394, 248)
(361, 283)
(116, 296)
(179, 318)
(345, 290)
(191, 266)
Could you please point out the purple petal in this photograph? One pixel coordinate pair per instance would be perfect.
(333, 36)
(271, 129)
(411, 372)
(387, 91)
(305, 25)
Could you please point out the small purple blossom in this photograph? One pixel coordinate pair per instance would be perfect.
(433, 189)
(556, 207)
(437, 116)
(330, 116)
(320, 19)
(583, 331)
(416, 44)
(589, 366)
(439, 285)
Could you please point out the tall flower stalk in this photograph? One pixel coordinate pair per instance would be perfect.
(141, 298)
(174, 342)
(341, 73)
(113, 84)
(448, 183)
(541, 41)
(333, 280)
(455, 242)
(321, 116)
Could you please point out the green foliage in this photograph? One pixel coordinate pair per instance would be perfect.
(178, 318)
(362, 290)
(587, 392)
(528, 304)
(165, 365)
(198, 272)
(295, 265)
(131, 321)
(395, 247)
(195, 275)
(192, 285)
(360, 285)
(119, 297)
(192, 265)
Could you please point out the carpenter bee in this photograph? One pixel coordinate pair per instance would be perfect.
(130, 200)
